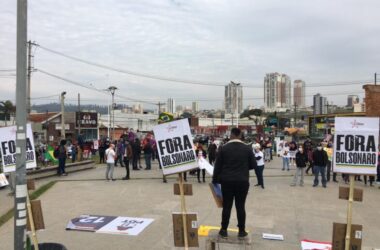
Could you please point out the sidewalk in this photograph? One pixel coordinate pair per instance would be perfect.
(296, 212)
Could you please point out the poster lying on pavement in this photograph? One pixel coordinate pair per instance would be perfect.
(89, 222)
(109, 224)
(125, 225)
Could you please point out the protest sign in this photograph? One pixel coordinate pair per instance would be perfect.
(175, 147)
(3, 180)
(8, 148)
(356, 145)
(109, 224)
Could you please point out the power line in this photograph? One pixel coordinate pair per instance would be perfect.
(88, 87)
(186, 81)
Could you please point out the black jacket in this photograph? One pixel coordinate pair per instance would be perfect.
(233, 163)
(320, 158)
(301, 159)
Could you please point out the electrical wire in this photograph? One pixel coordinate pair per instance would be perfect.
(90, 88)
(186, 81)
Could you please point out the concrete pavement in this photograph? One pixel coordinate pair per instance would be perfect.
(296, 212)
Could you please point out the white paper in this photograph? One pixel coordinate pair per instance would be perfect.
(204, 164)
(3, 180)
(315, 245)
(273, 236)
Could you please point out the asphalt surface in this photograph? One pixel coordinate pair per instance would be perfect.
(295, 212)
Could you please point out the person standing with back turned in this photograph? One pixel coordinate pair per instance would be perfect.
(232, 166)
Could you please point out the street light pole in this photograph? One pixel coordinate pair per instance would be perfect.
(112, 90)
(63, 133)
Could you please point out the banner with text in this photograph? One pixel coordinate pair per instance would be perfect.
(356, 145)
(175, 147)
(8, 148)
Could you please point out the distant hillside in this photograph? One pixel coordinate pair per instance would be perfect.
(56, 107)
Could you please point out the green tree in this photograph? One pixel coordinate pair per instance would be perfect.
(252, 114)
(8, 109)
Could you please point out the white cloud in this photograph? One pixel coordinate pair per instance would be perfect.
(216, 41)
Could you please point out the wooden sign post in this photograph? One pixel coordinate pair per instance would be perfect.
(183, 210)
(349, 212)
(31, 186)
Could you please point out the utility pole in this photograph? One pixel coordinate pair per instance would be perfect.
(63, 133)
(327, 118)
(112, 89)
(21, 86)
(375, 78)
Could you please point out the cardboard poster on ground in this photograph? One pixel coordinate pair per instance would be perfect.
(3, 180)
(126, 226)
(109, 224)
(356, 145)
(89, 222)
(8, 148)
(175, 147)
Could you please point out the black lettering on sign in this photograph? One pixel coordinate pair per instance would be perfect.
(28, 145)
(175, 144)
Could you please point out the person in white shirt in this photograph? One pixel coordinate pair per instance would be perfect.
(110, 159)
(260, 165)
(285, 156)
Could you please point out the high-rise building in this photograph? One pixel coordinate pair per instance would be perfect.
(351, 100)
(171, 106)
(233, 98)
(195, 107)
(299, 93)
(320, 104)
(277, 91)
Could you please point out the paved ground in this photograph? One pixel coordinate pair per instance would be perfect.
(296, 212)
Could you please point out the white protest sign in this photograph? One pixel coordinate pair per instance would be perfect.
(356, 145)
(3, 180)
(125, 225)
(175, 147)
(8, 148)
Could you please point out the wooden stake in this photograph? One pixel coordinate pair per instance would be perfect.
(183, 211)
(31, 222)
(349, 211)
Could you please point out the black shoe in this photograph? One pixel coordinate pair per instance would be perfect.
(315, 185)
(335, 181)
(262, 186)
(126, 178)
(242, 234)
(199, 181)
(223, 233)
(164, 181)
(113, 179)
(257, 185)
(204, 180)
(324, 186)
(135, 169)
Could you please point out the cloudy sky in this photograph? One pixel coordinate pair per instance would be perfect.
(209, 41)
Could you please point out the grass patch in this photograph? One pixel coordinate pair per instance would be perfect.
(10, 213)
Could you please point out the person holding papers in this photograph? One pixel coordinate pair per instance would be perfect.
(259, 156)
(232, 166)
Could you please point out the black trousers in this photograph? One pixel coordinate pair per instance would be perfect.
(259, 174)
(234, 191)
(211, 159)
(199, 174)
(126, 163)
(134, 161)
(119, 158)
(328, 170)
